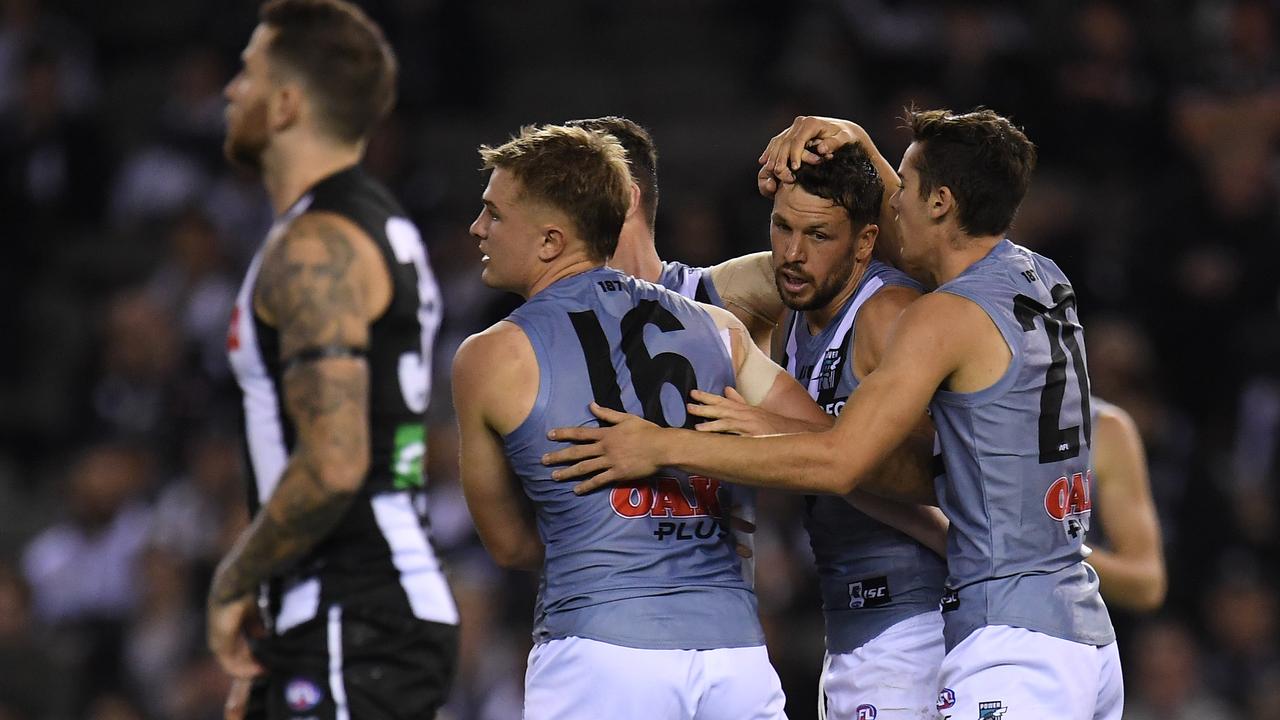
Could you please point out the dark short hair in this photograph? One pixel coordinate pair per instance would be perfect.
(342, 58)
(580, 172)
(848, 179)
(982, 157)
(642, 156)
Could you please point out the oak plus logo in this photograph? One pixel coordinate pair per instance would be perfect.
(1067, 501)
(686, 511)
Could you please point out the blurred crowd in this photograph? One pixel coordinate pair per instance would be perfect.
(126, 235)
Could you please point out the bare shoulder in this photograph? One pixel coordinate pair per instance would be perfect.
(1115, 431)
(495, 373)
(876, 320)
(500, 346)
(883, 309)
(322, 264)
(724, 319)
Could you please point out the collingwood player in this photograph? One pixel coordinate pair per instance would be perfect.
(330, 341)
(643, 610)
(996, 353)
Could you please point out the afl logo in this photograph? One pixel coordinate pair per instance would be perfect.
(302, 695)
(867, 712)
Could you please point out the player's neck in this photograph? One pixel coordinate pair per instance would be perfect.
(294, 166)
(636, 254)
(819, 318)
(559, 271)
(961, 253)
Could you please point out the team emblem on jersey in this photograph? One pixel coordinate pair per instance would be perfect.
(827, 378)
(406, 460)
(991, 709)
(867, 712)
(869, 593)
(302, 695)
(946, 699)
(1067, 501)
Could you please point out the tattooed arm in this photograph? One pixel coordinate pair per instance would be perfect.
(319, 285)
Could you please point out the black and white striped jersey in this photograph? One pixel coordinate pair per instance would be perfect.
(380, 554)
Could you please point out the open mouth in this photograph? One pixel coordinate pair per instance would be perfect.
(792, 282)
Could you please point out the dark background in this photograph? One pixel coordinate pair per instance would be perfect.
(125, 237)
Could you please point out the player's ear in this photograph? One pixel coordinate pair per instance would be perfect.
(866, 241)
(635, 200)
(553, 243)
(941, 202)
(284, 107)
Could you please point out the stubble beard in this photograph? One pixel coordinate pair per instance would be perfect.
(247, 139)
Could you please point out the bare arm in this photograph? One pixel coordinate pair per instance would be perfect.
(1132, 570)
(927, 347)
(315, 286)
(484, 366)
(747, 288)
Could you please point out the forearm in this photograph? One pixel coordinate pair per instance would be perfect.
(806, 462)
(927, 525)
(907, 474)
(1134, 583)
(301, 512)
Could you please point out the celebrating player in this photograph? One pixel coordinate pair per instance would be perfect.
(643, 610)
(996, 353)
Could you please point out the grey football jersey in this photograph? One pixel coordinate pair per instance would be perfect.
(871, 576)
(1017, 463)
(648, 564)
(691, 282)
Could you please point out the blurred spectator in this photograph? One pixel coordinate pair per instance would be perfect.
(1166, 678)
(83, 570)
(194, 282)
(33, 684)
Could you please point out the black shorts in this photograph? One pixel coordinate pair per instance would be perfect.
(356, 664)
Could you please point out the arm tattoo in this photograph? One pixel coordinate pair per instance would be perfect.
(309, 285)
(311, 288)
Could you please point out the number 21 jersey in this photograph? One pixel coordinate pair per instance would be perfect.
(1017, 463)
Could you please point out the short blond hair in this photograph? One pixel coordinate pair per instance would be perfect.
(576, 171)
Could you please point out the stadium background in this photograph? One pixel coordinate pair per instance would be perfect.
(125, 236)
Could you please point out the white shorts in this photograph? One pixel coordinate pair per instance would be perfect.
(894, 676)
(579, 678)
(1009, 673)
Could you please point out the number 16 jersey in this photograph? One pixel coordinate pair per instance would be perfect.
(648, 564)
(1017, 463)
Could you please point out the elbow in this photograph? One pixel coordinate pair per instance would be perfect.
(844, 483)
(516, 557)
(342, 476)
(1151, 598)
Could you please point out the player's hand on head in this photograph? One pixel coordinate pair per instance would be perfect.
(625, 450)
(810, 139)
(730, 414)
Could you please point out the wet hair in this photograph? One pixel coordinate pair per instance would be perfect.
(642, 156)
(341, 57)
(574, 170)
(982, 157)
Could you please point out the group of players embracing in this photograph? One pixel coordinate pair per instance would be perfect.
(894, 357)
